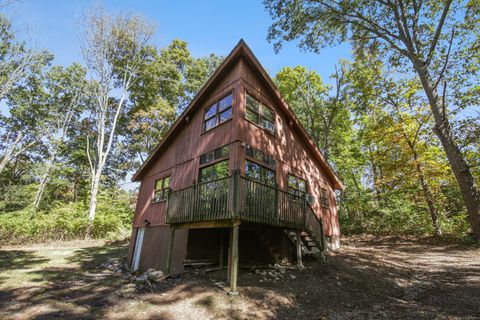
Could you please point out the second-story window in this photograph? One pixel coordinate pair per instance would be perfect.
(259, 114)
(214, 155)
(297, 186)
(162, 187)
(324, 198)
(213, 172)
(260, 173)
(261, 156)
(218, 112)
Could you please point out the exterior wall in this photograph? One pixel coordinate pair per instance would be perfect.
(288, 148)
(155, 248)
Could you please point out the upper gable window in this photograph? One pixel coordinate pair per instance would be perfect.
(259, 114)
(218, 112)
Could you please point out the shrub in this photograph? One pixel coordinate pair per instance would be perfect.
(68, 221)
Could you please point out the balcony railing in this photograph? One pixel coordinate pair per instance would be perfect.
(240, 198)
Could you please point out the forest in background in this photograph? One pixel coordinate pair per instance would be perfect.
(73, 133)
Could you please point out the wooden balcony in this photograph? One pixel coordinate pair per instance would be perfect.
(239, 199)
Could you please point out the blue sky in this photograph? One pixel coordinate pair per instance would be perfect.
(207, 26)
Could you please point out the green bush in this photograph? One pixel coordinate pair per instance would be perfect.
(68, 221)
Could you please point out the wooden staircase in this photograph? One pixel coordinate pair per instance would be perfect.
(309, 247)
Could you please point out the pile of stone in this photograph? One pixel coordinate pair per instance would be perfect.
(273, 273)
(112, 265)
(151, 275)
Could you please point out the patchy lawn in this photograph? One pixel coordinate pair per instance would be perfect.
(385, 278)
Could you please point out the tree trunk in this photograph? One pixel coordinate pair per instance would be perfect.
(429, 199)
(93, 201)
(460, 167)
(43, 182)
(10, 151)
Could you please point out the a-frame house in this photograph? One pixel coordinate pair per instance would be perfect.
(236, 180)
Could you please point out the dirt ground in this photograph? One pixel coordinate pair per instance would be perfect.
(369, 278)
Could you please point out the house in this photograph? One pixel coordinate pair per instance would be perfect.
(236, 179)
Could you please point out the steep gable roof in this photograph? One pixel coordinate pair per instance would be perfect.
(240, 50)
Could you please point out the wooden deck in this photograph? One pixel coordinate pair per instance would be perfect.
(225, 201)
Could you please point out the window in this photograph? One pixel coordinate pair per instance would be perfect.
(218, 112)
(214, 155)
(259, 114)
(162, 188)
(324, 195)
(261, 157)
(297, 186)
(260, 173)
(215, 171)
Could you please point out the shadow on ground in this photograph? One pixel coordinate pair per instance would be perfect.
(366, 279)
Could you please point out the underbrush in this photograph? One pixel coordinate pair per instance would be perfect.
(68, 221)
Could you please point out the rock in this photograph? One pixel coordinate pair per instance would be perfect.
(276, 279)
(156, 275)
(263, 273)
(261, 280)
(338, 283)
(257, 271)
(281, 270)
(292, 277)
(142, 278)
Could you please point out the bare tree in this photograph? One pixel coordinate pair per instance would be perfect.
(113, 50)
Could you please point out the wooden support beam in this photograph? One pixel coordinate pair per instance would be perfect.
(229, 257)
(220, 258)
(205, 224)
(299, 249)
(170, 251)
(234, 258)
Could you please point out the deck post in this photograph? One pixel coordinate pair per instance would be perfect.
(299, 249)
(234, 259)
(170, 250)
(229, 256)
(220, 259)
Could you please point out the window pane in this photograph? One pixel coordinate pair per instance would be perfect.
(271, 161)
(252, 103)
(257, 172)
(292, 181)
(224, 116)
(225, 103)
(166, 184)
(211, 111)
(221, 152)
(251, 116)
(302, 185)
(267, 113)
(216, 171)
(259, 155)
(158, 185)
(267, 124)
(210, 123)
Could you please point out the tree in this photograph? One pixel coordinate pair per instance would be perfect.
(171, 77)
(24, 126)
(114, 50)
(65, 89)
(435, 39)
(325, 117)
